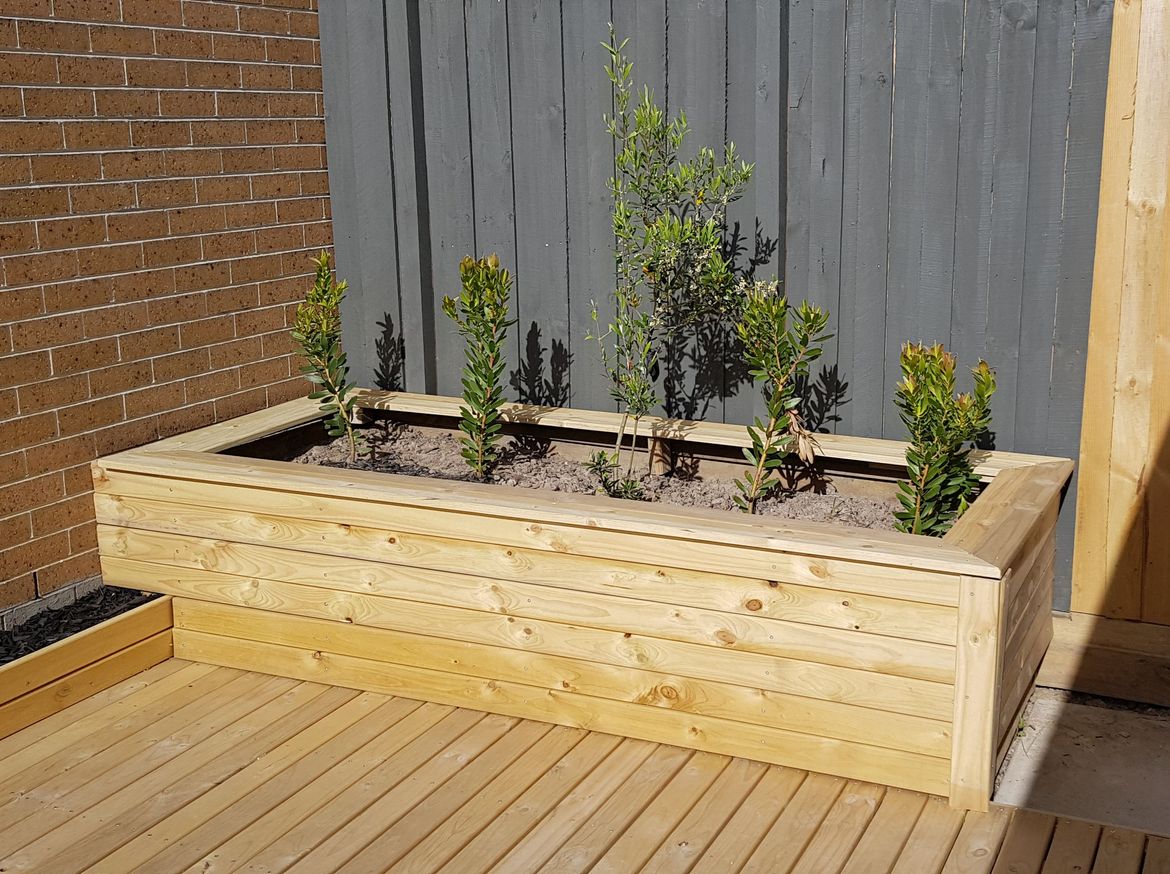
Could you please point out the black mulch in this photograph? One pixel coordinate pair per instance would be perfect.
(50, 626)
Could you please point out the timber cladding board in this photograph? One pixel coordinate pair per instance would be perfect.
(51, 679)
(871, 655)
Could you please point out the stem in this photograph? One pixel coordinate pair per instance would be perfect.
(633, 448)
(761, 464)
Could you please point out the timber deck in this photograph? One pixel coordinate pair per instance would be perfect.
(192, 767)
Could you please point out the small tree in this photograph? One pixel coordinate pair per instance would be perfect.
(942, 425)
(669, 224)
(779, 343)
(481, 314)
(317, 329)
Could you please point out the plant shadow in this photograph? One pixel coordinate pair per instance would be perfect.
(540, 385)
(390, 353)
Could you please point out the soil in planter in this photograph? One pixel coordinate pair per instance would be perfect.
(50, 626)
(415, 452)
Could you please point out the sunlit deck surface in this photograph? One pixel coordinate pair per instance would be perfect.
(188, 766)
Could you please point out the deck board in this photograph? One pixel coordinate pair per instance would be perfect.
(187, 767)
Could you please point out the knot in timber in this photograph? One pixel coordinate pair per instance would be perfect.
(725, 637)
(668, 692)
(818, 570)
(755, 605)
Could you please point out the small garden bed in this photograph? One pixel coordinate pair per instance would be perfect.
(875, 655)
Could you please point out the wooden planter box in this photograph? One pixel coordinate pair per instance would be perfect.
(70, 670)
(884, 657)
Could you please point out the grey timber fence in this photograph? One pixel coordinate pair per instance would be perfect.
(926, 169)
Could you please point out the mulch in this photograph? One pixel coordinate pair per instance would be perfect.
(50, 626)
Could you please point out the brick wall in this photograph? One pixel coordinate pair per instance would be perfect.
(162, 187)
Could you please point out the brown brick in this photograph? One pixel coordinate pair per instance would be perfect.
(22, 369)
(319, 234)
(262, 373)
(40, 268)
(11, 104)
(287, 391)
(62, 515)
(85, 356)
(52, 393)
(174, 250)
(20, 68)
(181, 365)
(58, 103)
(300, 210)
(78, 294)
(293, 105)
(91, 71)
(31, 136)
(148, 344)
(247, 160)
(79, 479)
(213, 385)
(154, 134)
(218, 133)
(118, 319)
(59, 454)
(271, 132)
(27, 431)
(47, 332)
(259, 321)
(91, 416)
(210, 15)
(255, 20)
(267, 76)
(236, 352)
(146, 284)
(316, 182)
(133, 165)
(15, 170)
(120, 258)
(34, 202)
(122, 40)
(186, 419)
(182, 44)
(152, 73)
(193, 162)
(276, 185)
(15, 238)
(52, 36)
(118, 378)
(12, 466)
(196, 219)
(242, 104)
(7, 32)
(307, 78)
(221, 189)
(311, 131)
(71, 232)
(71, 570)
(229, 245)
(24, 303)
(238, 404)
(279, 239)
(232, 299)
(237, 47)
(290, 50)
(66, 168)
(106, 197)
(126, 436)
(153, 399)
(250, 215)
(87, 10)
(298, 157)
(93, 135)
(162, 12)
(136, 226)
(83, 537)
(166, 192)
(213, 74)
(207, 331)
(303, 24)
(194, 277)
(128, 103)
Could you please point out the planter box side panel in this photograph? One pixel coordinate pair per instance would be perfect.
(58, 676)
(529, 685)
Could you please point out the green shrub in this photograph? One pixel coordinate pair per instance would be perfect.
(779, 342)
(669, 223)
(481, 314)
(317, 329)
(942, 425)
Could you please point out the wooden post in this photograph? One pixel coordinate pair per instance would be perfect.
(977, 677)
(1124, 492)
